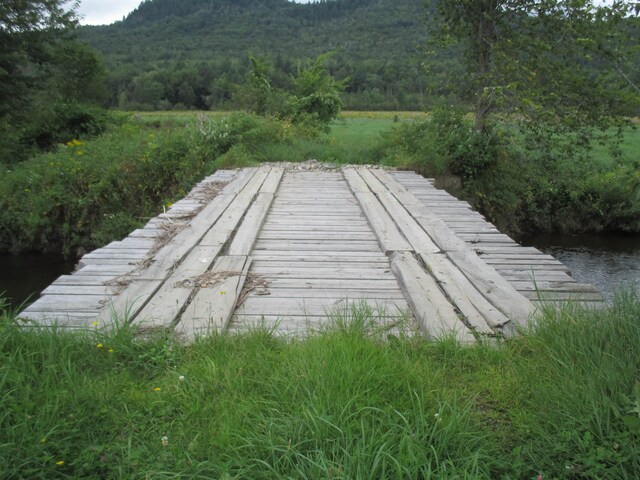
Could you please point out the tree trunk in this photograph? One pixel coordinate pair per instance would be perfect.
(486, 28)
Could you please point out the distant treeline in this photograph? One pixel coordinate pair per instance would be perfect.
(193, 54)
(171, 54)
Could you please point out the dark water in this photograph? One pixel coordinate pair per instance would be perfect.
(23, 277)
(607, 261)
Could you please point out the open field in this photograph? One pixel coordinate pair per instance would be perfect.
(349, 402)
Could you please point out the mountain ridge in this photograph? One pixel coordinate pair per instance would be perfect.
(372, 39)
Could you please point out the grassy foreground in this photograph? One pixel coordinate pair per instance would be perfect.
(561, 402)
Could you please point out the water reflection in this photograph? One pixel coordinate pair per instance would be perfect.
(23, 277)
(608, 261)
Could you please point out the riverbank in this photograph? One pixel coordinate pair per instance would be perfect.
(92, 191)
(348, 402)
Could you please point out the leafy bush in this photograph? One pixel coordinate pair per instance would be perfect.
(443, 144)
(62, 122)
(312, 102)
(89, 193)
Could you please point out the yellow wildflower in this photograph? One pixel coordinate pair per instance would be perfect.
(110, 350)
(60, 463)
(157, 389)
(95, 324)
(99, 345)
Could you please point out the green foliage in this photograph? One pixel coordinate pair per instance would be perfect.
(89, 193)
(316, 100)
(445, 143)
(555, 68)
(204, 45)
(47, 78)
(312, 101)
(348, 402)
(518, 189)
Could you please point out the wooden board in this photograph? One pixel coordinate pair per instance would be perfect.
(479, 313)
(434, 313)
(211, 308)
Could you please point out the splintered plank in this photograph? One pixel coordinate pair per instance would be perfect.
(477, 310)
(436, 316)
(445, 238)
(173, 253)
(493, 286)
(169, 301)
(247, 233)
(212, 307)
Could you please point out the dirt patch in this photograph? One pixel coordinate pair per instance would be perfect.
(208, 279)
(118, 284)
(209, 191)
(254, 282)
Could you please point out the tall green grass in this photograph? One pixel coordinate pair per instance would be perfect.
(561, 401)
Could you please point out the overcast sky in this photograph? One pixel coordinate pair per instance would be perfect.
(103, 12)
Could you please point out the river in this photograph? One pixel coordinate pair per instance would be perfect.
(608, 261)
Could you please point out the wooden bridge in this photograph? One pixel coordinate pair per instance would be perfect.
(284, 246)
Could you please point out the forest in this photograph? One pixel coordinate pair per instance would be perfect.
(191, 55)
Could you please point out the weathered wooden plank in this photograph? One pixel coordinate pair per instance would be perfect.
(131, 263)
(385, 229)
(171, 298)
(129, 302)
(434, 313)
(332, 291)
(345, 285)
(479, 313)
(509, 250)
(564, 296)
(417, 237)
(247, 234)
(117, 253)
(550, 286)
(300, 246)
(316, 235)
(545, 275)
(82, 280)
(229, 221)
(135, 297)
(113, 270)
(314, 306)
(443, 237)
(57, 289)
(494, 287)
(60, 303)
(56, 318)
(310, 265)
(211, 308)
(282, 257)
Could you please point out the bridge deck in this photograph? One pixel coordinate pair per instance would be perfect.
(284, 246)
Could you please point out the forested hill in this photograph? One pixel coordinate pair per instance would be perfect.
(196, 50)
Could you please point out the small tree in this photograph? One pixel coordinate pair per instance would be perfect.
(312, 99)
(556, 67)
(316, 96)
